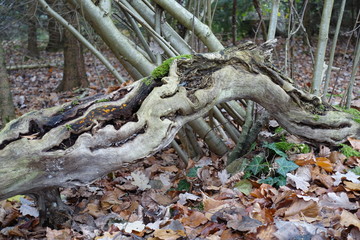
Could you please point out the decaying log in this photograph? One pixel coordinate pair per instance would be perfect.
(81, 141)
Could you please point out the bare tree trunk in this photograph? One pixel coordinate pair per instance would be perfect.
(321, 47)
(234, 25)
(333, 48)
(273, 19)
(7, 110)
(262, 22)
(32, 47)
(56, 36)
(74, 63)
(55, 30)
(121, 46)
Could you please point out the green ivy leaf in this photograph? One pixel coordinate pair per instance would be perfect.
(256, 165)
(273, 147)
(281, 181)
(276, 181)
(285, 166)
(271, 181)
(192, 172)
(244, 186)
(183, 185)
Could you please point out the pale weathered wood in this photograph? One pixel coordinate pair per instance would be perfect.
(79, 142)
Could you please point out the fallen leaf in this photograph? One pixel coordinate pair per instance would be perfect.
(183, 197)
(352, 186)
(351, 176)
(304, 159)
(300, 179)
(223, 176)
(244, 186)
(306, 208)
(128, 227)
(194, 219)
(58, 234)
(93, 210)
(244, 224)
(229, 234)
(308, 198)
(140, 180)
(348, 219)
(168, 234)
(29, 210)
(266, 232)
(324, 163)
(324, 151)
(355, 143)
(332, 200)
(296, 230)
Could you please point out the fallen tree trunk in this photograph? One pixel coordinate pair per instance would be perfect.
(81, 141)
(31, 66)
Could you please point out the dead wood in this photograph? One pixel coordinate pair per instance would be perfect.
(83, 140)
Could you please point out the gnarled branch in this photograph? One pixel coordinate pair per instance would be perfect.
(81, 141)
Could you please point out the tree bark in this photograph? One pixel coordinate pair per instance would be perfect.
(74, 62)
(321, 46)
(7, 110)
(56, 34)
(32, 46)
(78, 142)
(55, 29)
(122, 47)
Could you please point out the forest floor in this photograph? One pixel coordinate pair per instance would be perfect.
(288, 189)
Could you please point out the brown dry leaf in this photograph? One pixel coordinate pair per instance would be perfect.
(244, 224)
(264, 215)
(324, 163)
(160, 198)
(337, 156)
(265, 191)
(228, 234)
(15, 231)
(266, 232)
(352, 186)
(194, 219)
(172, 168)
(211, 228)
(168, 234)
(93, 210)
(11, 215)
(324, 151)
(210, 204)
(64, 234)
(306, 208)
(347, 219)
(355, 143)
(303, 159)
(111, 198)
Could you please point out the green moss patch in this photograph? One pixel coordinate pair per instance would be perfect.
(293, 147)
(349, 151)
(354, 112)
(163, 69)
